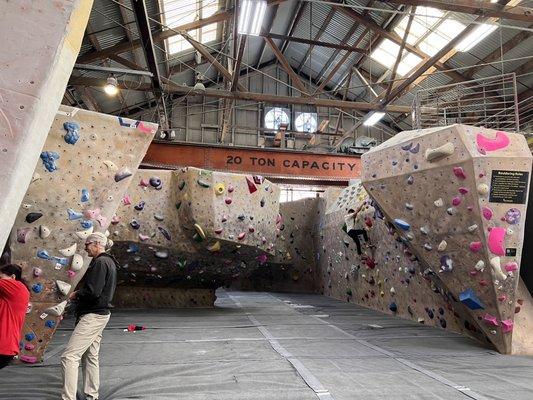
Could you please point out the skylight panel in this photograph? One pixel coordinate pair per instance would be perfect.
(386, 55)
(476, 36)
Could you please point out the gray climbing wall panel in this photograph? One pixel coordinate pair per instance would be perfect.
(457, 197)
(76, 188)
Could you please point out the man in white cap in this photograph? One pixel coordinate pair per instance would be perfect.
(92, 315)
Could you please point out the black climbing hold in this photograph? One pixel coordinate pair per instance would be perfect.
(134, 224)
(164, 232)
(32, 217)
(156, 182)
(241, 217)
(140, 206)
(262, 202)
(181, 185)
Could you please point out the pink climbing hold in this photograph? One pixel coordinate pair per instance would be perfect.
(470, 208)
(459, 172)
(490, 320)
(71, 274)
(475, 246)
(29, 346)
(456, 201)
(228, 200)
(115, 220)
(241, 236)
(28, 359)
(144, 128)
(230, 189)
(262, 258)
(487, 213)
(511, 266)
(251, 186)
(126, 200)
(144, 183)
(251, 229)
(502, 297)
(463, 190)
(507, 325)
(484, 144)
(218, 231)
(23, 234)
(496, 241)
(92, 214)
(143, 237)
(102, 220)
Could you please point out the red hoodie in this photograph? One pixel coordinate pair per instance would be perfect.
(14, 298)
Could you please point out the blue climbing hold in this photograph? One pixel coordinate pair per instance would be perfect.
(400, 223)
(37, 288)
(60, 260)
(84, 195)
(132, 248)
(86, 224)
(43, 254)
(469, 299)
(393, 307)
(72, 215)
(50, 323)
(29, 336)
(73, 134)
(49, 160)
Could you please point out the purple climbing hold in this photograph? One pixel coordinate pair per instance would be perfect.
(512, 216)
(73, 134)
(456, 201)
(446, 263)
(463, 190)
(32, 217)
(156, 182)
(49, 159)
(134, 224)
(415, 149)
(164, 232)
(487, 213)
(122, 174)
(140, 206)
(407, 146)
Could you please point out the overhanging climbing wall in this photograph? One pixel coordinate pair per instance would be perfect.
(40, 43)
(457, 198)
(84, 171)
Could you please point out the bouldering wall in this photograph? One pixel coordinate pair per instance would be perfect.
(192, 229)
(83, 174)
(40, 43)
(386, 276)
(457, 197)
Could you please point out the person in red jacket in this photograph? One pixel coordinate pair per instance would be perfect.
(14, 298)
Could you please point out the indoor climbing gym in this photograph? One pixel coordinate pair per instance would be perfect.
(266, 200)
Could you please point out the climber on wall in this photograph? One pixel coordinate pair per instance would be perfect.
(14, 298)
(92, 315)
(358, 222)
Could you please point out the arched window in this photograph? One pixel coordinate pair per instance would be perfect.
(276, 116)
(306, 122)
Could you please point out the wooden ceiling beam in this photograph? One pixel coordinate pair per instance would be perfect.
(295, 79)
(318, 35)
(314, 42)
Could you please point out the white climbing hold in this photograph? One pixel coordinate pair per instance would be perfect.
(439, 202)
(63, 287)
(472, 228)
(442, 245)
(84, 234)
(437, 153)
(110, 165)
(495, 263)
(26, 206)
(428, 247)
(69, 251)
(480, 266)
(107, 233)
(482, 189)
(424, 230)
(57, 310)
(44, 231)
(77, 263)
(392, 291)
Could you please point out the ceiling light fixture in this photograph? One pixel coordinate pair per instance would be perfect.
(373, 118)
(111, 87)
(251, 16)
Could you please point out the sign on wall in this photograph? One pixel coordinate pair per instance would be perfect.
(508, 186)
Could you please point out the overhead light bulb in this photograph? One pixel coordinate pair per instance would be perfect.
(111, 86)
(373, 118)
(251, 15)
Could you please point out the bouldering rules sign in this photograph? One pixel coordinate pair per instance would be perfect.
(508, 186)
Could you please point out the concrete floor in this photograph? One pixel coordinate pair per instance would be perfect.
(281, 346)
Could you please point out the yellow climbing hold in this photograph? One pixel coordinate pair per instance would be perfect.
(199, 230)
(215, 247)
(220, 189)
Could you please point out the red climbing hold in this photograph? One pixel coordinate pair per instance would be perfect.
(251, 186)
(459, 172)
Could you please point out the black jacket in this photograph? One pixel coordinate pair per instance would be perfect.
(98, 286)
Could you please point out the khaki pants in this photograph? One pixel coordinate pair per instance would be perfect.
(84, 345)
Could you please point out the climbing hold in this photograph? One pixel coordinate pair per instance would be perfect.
(480, 266)
(23, 234)
(440, 152)
(178, 205)
(50, 324)
(84, 195)
(482, 189)
(241, 235)
(91, 214)
(126, 200)
(140, 206)
(475, 246)
(496, 241)
(442, 246)
(63, 287)
(490, 320)
(156, 182)
(73, 215)
(37, 271)
(199, 231)
(143, 237)
(86, 224)
(393, 307)
(403, 225)
(134, 224)
(251, 186)
(228, 200)
(456, 201)
(424, 230)
(164, 232)
(181, 185)
(446, 263)
(439, 202)
(485, 144)
(29, 336)
(472, 228)
(123, 174)
(507, 325)
(203, 183)
(416, 149)
(262, 258)
(159, 217)
(110, 165)
(37, 287)
(49, 159)
(218, 231)
(407, 147)
(262, 202)
(84, 234)
(450, 210)
(43, 254)
(76, 263)
(511, 266)
(428, 247)
(29, 346)
(230, 189)
(409, 206)
(459, 172)
(512, 216)
(487, 213)
(144, 183)
(469, 299)
(161, 254)
(57, 310)
(73, 134)
(410, 180)
(69, 251)
(32, 217)
(219, 189)
(215, 247)
(495, 263)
